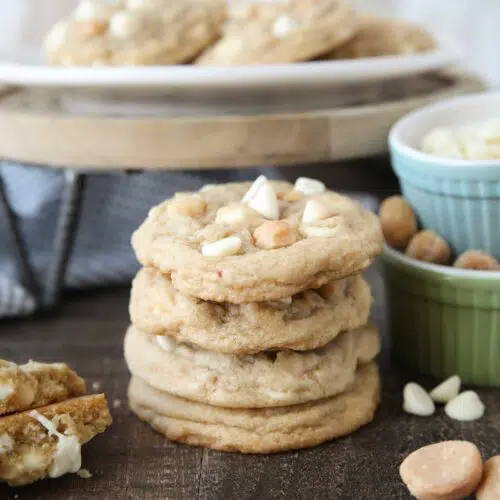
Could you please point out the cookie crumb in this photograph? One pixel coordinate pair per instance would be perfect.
(84, 474)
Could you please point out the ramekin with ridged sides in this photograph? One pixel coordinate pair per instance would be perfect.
(443, 320)
(459, 199)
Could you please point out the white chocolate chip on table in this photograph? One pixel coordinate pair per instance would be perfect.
(465, 407)
(449, 470)
(446, 390)
(416, 401)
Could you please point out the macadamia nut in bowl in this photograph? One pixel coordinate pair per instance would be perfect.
(447, 159)
(444, 320)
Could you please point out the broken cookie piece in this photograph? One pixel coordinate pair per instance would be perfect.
(34, 384)
(46, 442)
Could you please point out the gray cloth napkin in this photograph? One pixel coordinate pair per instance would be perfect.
(113, 207)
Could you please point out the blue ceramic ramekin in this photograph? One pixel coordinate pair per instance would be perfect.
(459, 199)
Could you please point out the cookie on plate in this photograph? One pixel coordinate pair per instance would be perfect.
(378, 36)
(284, 32)
(135, 32)
(258, 430)
(46, 442)
(244, 243)
(266, 379)
(303, 321)
(36, 384)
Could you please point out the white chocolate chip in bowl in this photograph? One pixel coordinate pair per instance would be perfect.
(446, 390)
(308, 186)
(315, 211)
(222, 248)
(265, 202)
(416, 401)
(465, 407)
(124, 24)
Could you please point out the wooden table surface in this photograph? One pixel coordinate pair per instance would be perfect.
(131, 461)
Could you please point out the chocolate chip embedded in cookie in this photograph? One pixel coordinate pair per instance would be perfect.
(258, 430)
(220, 254)
(134, 32)
(36, 384)
(266, 379)
(297, 30)
(303, 321)
(46, 442)
(378, 36)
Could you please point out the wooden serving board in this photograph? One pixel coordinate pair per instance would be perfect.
(37, 126)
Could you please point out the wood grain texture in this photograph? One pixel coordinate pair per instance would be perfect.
(36, 127)
(130, 461)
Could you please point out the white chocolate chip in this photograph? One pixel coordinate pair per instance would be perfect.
(57, 35)
(315, 211)
(265, 202)
(222, 248)
(93, 9)
(284, 25)
(309, 186)
(137, 4)
(207, 187)
(465, 407)
(318, 232)
(446, 390)
(6, 444)
(123, 24)
(416, 400)
(68, 454)
(5, 391)
(262, 179)
(165, 343)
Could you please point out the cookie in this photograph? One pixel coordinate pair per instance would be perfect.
(264, 430)
(36, 384)
(247, 243)
(267, 379)
(46, 442)
(306, 320)
(134, 32)
(283, 32)
(378, 36)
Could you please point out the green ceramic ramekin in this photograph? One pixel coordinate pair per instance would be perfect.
(444, 320)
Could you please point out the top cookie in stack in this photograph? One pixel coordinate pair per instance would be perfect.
(266, 241)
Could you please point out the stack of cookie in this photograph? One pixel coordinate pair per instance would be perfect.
(250, 317)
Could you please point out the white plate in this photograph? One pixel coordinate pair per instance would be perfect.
(26, 69)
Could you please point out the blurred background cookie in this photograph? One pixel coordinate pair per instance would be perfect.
(379, 36)
(282, 33)
(133, 32)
